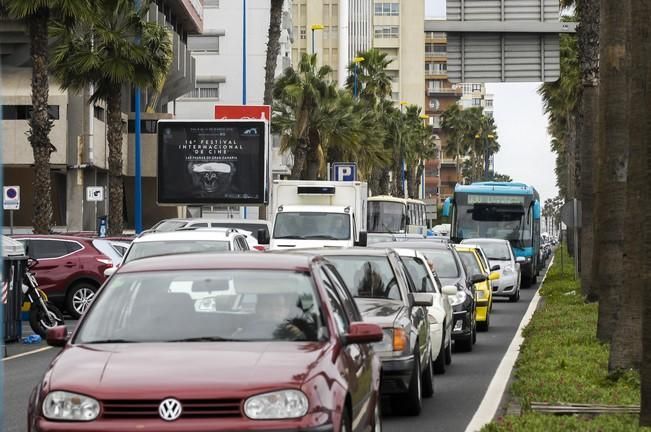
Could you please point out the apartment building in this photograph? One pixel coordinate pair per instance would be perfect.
(79, 128)
(338, 29)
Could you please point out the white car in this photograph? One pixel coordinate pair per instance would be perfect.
(199, 240)
(440, 313)
(250, 227)
(499, 253)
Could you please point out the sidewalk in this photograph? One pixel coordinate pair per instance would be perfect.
(561, 361)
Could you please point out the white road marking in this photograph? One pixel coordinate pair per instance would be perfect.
(493, 397)
(27, 353)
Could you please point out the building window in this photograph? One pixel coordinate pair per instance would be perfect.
(435, 121)
(24, 112)
(435, 49)
(99, 113)
(208, 44)
(211, 4)
(387, 9)
(435, 35)
(489, 103)
(303, 32)
(204, 93)
(476, 102)
(387, 32)
(334, 32)
(476, 87)
(395, 96)
(436, 68)
(146, 126)
(434, 104)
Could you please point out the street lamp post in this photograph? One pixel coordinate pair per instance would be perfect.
(357, 61)
(402, 156)
(423, 117)
(138, 155)
(314, 28)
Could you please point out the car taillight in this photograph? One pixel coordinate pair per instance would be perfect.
(259, 248)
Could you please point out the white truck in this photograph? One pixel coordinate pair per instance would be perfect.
(308, 214)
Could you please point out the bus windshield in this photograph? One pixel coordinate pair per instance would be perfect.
(386, 217)
(508, 222)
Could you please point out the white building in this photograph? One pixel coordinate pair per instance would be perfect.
(219, 52)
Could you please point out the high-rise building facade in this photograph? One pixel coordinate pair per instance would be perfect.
(337, 30)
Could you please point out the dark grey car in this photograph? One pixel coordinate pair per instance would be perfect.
(386, 295)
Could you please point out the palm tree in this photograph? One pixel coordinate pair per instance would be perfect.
(588, 51)
(298, 96)
(373, 82)
(103, 51)
(273, 48)
(607, 264)
(36, 14)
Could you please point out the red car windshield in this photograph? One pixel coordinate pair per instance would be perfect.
(216, 305)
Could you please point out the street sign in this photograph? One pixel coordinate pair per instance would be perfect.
(344, 171)
(95, 193)
(11, 198)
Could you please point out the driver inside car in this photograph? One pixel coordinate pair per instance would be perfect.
(273, 320)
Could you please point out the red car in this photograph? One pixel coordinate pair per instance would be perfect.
(70, 269)
(213, 343)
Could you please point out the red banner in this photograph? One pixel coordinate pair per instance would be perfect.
(248, 112)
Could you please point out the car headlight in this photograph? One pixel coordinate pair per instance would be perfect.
(62, 405)
(457, 299)
(394, 340)
(283, 404)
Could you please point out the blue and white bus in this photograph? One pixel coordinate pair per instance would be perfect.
(509, 211)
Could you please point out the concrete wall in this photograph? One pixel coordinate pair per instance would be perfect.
(412, 52)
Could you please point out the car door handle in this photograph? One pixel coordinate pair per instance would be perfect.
(69, 264)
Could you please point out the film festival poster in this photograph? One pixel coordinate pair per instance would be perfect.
(211, 163)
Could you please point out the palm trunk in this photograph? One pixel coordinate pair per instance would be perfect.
(300, 158)
(116, 184)
(412, 182)
(313, 156)
(40, 123)
(588, 44)
(273, 48)
(612, 161)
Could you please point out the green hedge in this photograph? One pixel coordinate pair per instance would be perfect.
(561, 361)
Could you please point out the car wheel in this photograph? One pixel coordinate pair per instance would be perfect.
(464, 345)
(428, 379)
(80, 296)
(483, 325)
(448, 354)
(345, 422)
(515, 297)
(413, 401)
(439, 363)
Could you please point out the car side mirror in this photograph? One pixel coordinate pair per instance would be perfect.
(57, 336)
(496, 267)
(262, 237)
(478, 278)
(362, 333)
(449, 290)
(421, 299)
(520, 259)
(109, 271)
(493, 276)
(363, 239)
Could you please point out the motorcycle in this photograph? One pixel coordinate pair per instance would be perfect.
(42, 313)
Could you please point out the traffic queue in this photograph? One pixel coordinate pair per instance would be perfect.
(317, 320)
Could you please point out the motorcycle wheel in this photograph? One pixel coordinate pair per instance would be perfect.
(41, 322)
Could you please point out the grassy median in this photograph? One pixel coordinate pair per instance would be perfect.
(561, 361)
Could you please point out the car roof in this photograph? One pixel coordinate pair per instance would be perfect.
(215, 234)
(354, 251)
(211, 219)
(314, 208)
(219, 261)
(412, 244)
(53, 237)
(483, 240)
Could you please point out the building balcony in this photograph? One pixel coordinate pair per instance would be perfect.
(436, 56)
(440, 75)
(443, 91)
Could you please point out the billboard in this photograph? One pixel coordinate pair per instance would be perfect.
(212, 162)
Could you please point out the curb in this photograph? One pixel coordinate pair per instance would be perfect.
(490, 404)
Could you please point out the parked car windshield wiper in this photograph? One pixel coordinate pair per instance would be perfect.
(322, 237)
(208, 339)
(292, 237)
(107, 341)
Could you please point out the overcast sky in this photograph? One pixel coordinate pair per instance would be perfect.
(525, 153)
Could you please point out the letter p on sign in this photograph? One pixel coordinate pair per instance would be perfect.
(344, 171)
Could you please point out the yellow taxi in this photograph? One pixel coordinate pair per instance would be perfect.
(480, 274)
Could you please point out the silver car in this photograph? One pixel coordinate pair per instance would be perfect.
(499, 253)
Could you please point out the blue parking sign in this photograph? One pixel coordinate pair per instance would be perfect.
(344, 171)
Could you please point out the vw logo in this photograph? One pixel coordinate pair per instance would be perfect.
(170, 409)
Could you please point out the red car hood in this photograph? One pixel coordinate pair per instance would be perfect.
(182, 370)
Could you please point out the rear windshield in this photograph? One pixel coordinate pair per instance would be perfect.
(444, 263)
(167, 226)
(252, 228)
(496, 251)
(158, 248)
(368, 277)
